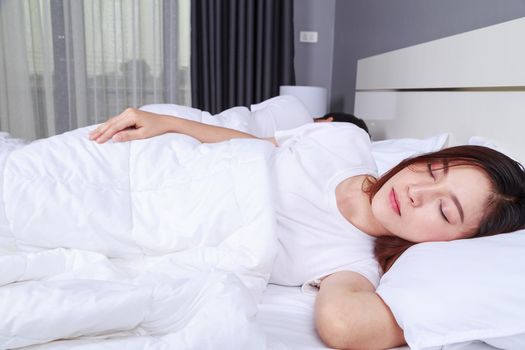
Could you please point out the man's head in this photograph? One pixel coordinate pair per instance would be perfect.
(342, 117)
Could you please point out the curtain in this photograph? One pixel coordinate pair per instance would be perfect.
(241, 51)
(70, 63)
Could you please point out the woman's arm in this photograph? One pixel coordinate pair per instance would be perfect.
(134, 124)
(350, 315)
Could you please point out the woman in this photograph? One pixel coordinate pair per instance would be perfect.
(328, 196)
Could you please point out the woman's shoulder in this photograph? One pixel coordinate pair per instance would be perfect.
(330, 134)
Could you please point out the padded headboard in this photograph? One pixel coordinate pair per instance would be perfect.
(470, 84)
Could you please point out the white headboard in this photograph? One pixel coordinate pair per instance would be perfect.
(470, 84)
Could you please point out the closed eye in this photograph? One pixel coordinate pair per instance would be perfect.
(429, 166)
(442, 212)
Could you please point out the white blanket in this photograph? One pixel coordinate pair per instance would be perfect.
(163, 243)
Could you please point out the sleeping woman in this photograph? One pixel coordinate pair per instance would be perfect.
(330, 200)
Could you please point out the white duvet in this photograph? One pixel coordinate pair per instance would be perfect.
(163, 243)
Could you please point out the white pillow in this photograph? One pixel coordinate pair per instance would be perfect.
(389, 153)
(446, 293)
(481, 141)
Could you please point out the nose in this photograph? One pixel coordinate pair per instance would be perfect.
(418, 194)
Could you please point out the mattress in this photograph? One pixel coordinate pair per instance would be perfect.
(287, 316)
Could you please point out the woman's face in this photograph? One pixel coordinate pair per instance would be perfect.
(432, 202)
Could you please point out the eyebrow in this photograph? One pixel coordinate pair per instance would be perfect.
(454, 198)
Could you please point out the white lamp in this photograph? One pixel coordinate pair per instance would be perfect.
(315, 98)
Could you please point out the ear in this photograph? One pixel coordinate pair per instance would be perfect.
(325, 120)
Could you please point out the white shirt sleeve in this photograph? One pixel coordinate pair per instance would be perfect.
(368, 269)
(278, 113)
(326, 133)
(345, 143)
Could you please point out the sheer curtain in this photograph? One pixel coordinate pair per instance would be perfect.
(71, 63)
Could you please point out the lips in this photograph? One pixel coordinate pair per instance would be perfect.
(394, 202)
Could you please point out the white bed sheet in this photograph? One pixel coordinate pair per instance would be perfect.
(286, 315)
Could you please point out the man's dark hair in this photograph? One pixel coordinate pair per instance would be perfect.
(346, 118)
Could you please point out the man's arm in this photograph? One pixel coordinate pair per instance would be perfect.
(134, 124)
(350, 315)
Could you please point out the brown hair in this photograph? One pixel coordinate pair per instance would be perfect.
(506, 208)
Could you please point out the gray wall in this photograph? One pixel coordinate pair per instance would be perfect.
(313, 61)
(369, 27)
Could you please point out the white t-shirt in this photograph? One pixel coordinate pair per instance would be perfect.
(261, 120)
(315, 239)
(278, 113)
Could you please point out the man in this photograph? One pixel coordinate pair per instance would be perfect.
(261, 120)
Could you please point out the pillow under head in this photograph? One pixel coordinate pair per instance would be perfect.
(446, 293)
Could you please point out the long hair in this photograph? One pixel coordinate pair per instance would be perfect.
(505, 211)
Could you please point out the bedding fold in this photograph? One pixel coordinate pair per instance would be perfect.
(162, 241)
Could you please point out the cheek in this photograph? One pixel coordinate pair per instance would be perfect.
(437, 232)
(421, 231)
(425, 227)
(430, 234)
(381, 200)
(381, 208)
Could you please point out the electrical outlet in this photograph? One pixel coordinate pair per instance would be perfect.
(307, 37)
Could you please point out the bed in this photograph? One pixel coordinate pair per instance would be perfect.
(469, 87)
(428, 95)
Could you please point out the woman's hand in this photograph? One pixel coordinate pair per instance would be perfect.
(132, 124)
